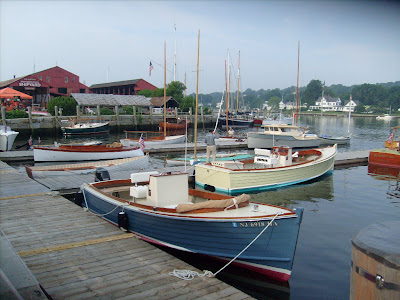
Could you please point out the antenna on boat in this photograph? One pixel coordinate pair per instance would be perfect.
(175, 51)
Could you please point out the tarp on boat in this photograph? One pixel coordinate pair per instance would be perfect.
(9, 93)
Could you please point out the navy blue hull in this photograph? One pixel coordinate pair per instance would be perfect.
(274, 249)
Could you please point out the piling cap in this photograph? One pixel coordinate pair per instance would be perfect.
(382, 241)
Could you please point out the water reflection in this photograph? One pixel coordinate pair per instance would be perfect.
(389, 174)
(311, 191)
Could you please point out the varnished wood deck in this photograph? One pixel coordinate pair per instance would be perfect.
(76, 255)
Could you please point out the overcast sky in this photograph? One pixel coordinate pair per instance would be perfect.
(341, 42)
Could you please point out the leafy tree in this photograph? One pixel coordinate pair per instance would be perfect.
(175, 89)
(370, 94)
(68, 105)
(146, 93)
(188, 102)
(106, 111)
(312, 92)
(359, 109)
(273, 102)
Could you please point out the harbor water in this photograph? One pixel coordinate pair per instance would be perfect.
(336, 208)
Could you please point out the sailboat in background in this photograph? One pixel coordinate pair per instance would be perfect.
(236, 120)
(151, 139)
(339, 140)
(386, 117)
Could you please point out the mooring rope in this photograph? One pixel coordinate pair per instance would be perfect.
(101, 215)
(189, 275)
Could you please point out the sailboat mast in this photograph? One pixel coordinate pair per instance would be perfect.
(184, 91)
(197, 97)
(175, 52)
(348, 125)
(226, 97)
(165, 89)
(237, 98)
(297, 91)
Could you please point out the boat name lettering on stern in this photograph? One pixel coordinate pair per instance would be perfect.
(252, 224)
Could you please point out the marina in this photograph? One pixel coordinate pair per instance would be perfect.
(328, 204)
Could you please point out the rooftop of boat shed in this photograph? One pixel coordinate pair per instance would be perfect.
(110, 100)
(122, 100)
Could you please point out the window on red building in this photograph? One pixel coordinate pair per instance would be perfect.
(48, 78)
(62, 90)
(66, 79)
(73, 79)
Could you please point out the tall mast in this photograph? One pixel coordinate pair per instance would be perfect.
(175, 52)
(348, 125)
(165, 89)
(237, 105)
(228, 92)
(226, 97)
(297, 91)
(197, 97)
(184, 91)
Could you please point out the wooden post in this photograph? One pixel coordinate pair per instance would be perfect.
(176, 112)
(3, 115)
(117, 114)
(134, 115)
(151, 114)
(30, 117)
(98, 112)
(56, 116)
(190, 114)
(78, 111)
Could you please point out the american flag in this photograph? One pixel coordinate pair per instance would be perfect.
(150, 68)
(141, 142)
(390, 137)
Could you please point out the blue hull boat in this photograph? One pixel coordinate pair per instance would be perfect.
(206, 223)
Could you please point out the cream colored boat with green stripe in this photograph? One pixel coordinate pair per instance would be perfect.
(269, 169)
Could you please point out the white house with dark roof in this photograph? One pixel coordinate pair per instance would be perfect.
(328, 103)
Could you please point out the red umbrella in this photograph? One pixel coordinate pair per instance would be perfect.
(9, 93)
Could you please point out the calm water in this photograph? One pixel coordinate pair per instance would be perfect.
(336, 207)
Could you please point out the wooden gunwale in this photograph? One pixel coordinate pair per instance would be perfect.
(172, 211)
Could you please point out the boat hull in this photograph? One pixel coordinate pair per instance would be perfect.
(267, 141)
(7, 140)
(54, 154)
(234, 182)
(271, 254)
(174, 126)
(344, 140)
(236, 123)
(94, 129)
(384, 157)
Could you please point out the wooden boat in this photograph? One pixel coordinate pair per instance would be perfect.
(173, 124)
(269, 169)
(235, 122)
(86, 128)
(7, 137)
(181, 161)
(282, 134)
(149, 140)
(72, 152)
(384, 157)
(131, 163)
(161, 209)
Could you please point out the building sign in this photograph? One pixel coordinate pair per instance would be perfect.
(29, 83)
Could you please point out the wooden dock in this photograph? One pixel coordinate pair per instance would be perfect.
(75, 254)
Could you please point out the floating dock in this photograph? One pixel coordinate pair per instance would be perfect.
(72, 253)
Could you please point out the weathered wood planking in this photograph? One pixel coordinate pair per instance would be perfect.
(81, 267)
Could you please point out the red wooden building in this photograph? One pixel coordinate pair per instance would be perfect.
(127, 87)
(45, 84)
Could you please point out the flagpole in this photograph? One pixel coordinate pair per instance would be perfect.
(297, 91)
